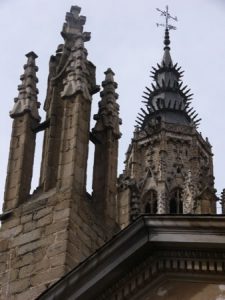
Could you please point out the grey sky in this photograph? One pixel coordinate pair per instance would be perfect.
(125, 38)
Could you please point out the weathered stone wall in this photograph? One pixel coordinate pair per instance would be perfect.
(74, 144)
(52, 138)
(42, 240)
(123, 206)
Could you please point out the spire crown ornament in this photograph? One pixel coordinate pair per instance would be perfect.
(167, 97)
(165, 13)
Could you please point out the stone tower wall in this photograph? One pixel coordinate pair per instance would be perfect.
(43, 239)
(52, 138)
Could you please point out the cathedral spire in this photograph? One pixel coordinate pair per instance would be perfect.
(168, 166)
(27, 98)
(167, 99)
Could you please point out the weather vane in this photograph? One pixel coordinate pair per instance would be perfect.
(166, 14)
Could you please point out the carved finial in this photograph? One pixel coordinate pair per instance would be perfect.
(74, 24)
(109, 74)
(78, 75)
(31, 55)
(108, 114)
(27, 98)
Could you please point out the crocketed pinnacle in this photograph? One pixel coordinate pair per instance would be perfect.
(167, 99)
(108, 114)
(78, 71)
(27, 98)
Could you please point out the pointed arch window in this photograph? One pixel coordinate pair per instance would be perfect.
(150, 202)
(176, 204)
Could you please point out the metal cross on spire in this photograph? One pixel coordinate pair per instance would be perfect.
(167, 16)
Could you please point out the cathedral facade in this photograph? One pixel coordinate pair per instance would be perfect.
(150, 233)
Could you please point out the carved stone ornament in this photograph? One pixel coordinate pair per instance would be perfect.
(27, 98)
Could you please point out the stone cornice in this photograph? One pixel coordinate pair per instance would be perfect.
(136, 244)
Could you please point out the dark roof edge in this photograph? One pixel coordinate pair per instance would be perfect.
(146, 230)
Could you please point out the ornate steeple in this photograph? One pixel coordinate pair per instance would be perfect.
(27, 98)
(168, 163)
(168, 98)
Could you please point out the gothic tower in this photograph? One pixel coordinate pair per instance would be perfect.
(168, 167)
(46, 233)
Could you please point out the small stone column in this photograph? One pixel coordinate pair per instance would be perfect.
(106, 133)
(22, 145)
(161, 209)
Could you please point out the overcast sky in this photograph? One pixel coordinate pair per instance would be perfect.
(125, 38)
